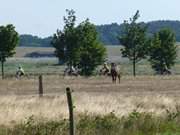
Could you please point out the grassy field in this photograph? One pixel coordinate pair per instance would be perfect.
(45, 65)
(95, 95)
(144, 105)
(23, 51)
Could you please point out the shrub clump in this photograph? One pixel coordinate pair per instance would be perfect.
(135, 123)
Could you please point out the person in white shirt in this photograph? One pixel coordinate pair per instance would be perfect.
(20, 72)
(70, 70)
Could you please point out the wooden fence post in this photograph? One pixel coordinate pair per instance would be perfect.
(71, 117)
(40, 86)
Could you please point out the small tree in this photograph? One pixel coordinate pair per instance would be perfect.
(163, 51)
(65, 42)
(92, 52)
(8, 41)
(134, 41)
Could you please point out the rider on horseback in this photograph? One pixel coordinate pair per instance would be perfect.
(105, 70)
(20, 72)
(71, 70)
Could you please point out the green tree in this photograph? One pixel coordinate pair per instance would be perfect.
(163, 51)
(8, 41)
(79, 46)
(65, 42)
(134, 41)
(92, 52)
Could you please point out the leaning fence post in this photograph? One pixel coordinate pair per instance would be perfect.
(40, 86)
(71, 117)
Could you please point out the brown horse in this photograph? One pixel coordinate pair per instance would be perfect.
(115, 73)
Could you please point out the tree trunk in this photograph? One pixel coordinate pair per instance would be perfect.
(134, 67)
(2, 69)
(134, 62)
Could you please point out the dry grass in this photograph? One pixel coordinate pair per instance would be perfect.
(95, 95)
(22, 51)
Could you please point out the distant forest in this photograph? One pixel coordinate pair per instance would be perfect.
(108, 33)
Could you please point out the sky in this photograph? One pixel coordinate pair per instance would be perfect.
(44, 17)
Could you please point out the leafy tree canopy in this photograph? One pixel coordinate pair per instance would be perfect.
(65, 41)
(163, 51)
(92, 52)
(8, 41)
(78, 45)
(134, 40)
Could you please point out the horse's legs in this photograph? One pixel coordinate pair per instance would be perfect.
(112, 78)
(115, 78)
(119, 77)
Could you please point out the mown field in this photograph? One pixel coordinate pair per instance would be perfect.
(144, 105)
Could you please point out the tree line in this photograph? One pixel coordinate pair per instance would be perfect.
(107, 33)
(34, 41)
(78, 45)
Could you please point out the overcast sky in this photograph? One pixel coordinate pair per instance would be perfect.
(43, 17)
